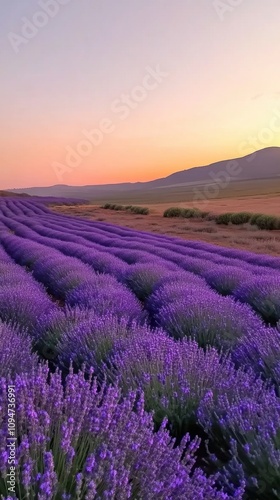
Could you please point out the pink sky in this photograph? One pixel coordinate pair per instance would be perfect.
(216, 93)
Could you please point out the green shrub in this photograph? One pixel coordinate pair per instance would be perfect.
(262, 221)
(267, 222)
(140, 210)
(190, 213)
(128, 208)
(254, 218)
(224, 218)
(240, 218)
(173, 212)
(187, 213)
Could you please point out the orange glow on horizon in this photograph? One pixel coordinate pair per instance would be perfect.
(152, 105)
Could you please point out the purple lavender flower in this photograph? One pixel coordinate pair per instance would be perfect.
(172, 291)
(227, 278)
(260, 352)
(173, 375)
(141, 278)
(208, 318)
(114, 450)
(244, 426)
(20, 308)
(263, 294)
(103, 296)
(91, 341)
(50, 327)
(15, 351)
(4, 257)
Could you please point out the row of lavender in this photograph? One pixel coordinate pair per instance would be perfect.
(83, 428)
(10, 205)
(251, 278)
(180, 301)
(106, 321)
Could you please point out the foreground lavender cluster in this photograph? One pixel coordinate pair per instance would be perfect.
(174, 376)
(22, 299)
(15, 351)
(244, 425)
(201, 314)
(185, 331)
(79, 441)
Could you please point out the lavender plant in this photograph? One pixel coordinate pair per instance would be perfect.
(15, 351)
(88, 443)
(105, 298)
(61, 274)
(4, 257)
(174, 376)
(141, 278)
(172, 292)
(22, 304)
(227, 278)
(180, 276)
(208, 318)
(91, 341)
(50, 327)
(244, 426)
(195, 265)
(263, 294)
(260, 351)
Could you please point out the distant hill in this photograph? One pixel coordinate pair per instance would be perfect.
(262, 164)
(8, 194)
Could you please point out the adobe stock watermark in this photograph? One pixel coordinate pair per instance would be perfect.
(11, 440)
(264, 137)
(221, 180)
(224, 7)
(121, 108)
(31, 27)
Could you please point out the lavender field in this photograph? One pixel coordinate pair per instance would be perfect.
(134, 366)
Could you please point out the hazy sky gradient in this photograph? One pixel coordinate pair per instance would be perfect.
(222, 91)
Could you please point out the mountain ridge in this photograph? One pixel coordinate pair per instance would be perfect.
(264, 163)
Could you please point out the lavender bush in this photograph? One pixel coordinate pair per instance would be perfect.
(104, 298)
(208, 318)
(21, 305)
(15, 351)
(172, 292)
(61, 274)
(227, 278)
(244, 427)
(3, 255)
(81, 442)
(11, 274)
(196, 265)
(260, 351)
(50, 327)
(80, 438)
(91, 341)
(263, 294)
(141, 278)
(185, 277)
(174, 376)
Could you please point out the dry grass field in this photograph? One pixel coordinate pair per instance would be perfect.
(244, 237)
(184, 193)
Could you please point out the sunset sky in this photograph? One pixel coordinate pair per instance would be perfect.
(156, 86)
